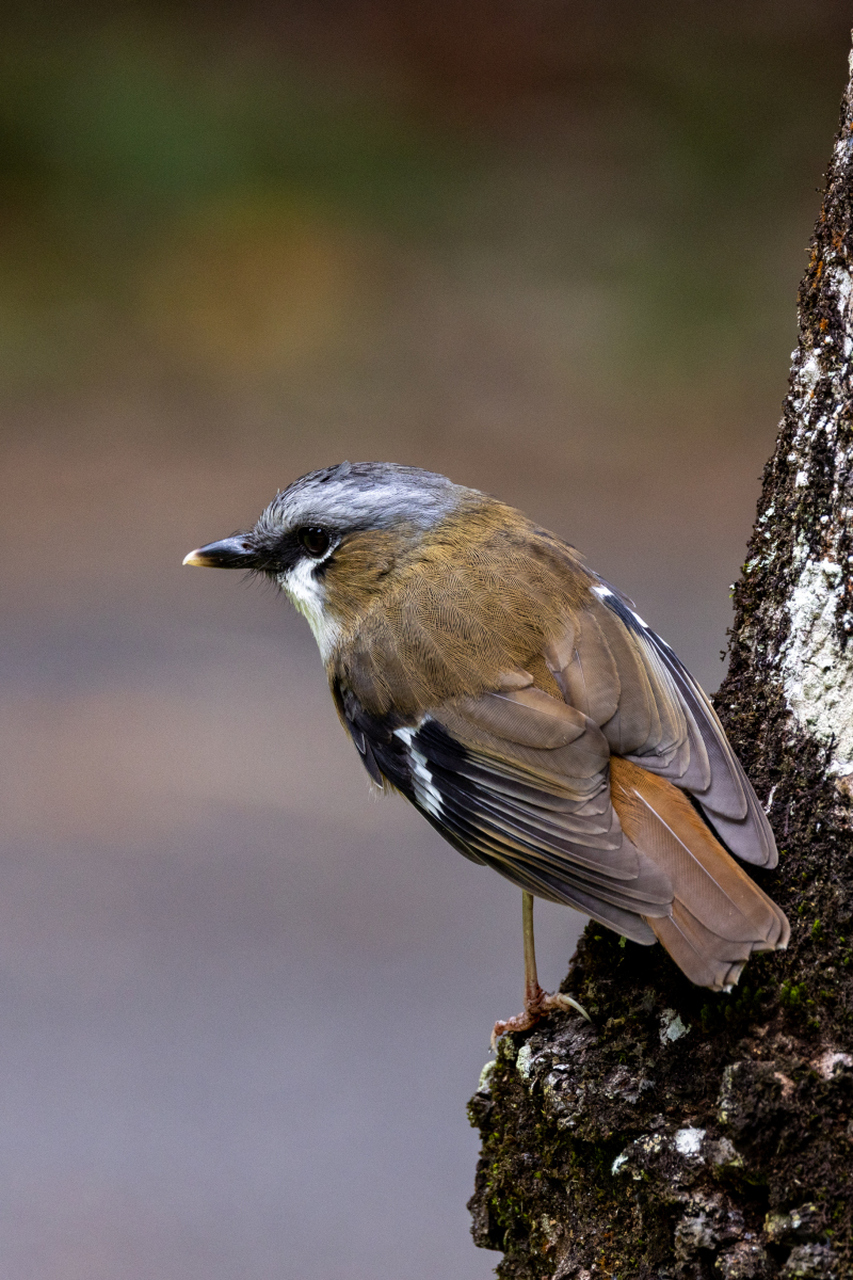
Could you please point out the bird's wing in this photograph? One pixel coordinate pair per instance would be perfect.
(612, 667)
(520, 781)
(525, 783)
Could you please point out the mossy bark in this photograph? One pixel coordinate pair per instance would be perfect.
(687, 1133)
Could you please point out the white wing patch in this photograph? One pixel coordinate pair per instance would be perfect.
(426, 792)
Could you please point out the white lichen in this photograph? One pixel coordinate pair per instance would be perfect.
(688, 1142)
(522, 1062)
(808, 376)
(840, 283)
(672, 1028)
(817, 673)
(825, 1064)
(484, 1083)
(817, 676)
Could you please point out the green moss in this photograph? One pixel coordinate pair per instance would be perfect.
(792, 994)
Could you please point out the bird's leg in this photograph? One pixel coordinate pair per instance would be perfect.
(537, 1002)
(533, 993)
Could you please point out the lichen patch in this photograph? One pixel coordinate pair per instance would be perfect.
(817, 679)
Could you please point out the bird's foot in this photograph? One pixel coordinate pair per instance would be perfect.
(537, 1004)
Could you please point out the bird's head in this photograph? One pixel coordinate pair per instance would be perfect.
(336, 538)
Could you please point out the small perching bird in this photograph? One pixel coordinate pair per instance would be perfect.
(524, 707)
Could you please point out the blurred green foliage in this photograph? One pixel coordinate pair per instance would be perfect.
(124, 117)
(657, 170)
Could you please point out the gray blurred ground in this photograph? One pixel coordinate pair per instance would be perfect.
(244, 1002)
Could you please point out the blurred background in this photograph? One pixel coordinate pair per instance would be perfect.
(548, 248)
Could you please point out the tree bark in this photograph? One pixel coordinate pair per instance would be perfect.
(687, 1133)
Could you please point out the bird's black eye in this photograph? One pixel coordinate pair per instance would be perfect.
(315, 540)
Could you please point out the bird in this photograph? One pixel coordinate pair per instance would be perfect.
(522, 705)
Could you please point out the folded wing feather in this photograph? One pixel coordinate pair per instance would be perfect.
(585, 800)
(662, 719)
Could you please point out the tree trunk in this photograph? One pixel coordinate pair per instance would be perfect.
(687, 1133)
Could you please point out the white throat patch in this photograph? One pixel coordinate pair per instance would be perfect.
(309, 596)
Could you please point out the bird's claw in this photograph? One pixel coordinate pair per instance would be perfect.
(537, 1005)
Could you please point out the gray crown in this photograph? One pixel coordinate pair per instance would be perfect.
(364, 495)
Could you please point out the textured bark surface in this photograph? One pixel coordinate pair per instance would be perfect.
(687, 1133)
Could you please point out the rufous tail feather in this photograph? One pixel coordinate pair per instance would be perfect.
(719, 916)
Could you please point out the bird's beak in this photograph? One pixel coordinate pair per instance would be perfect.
(230, 553)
